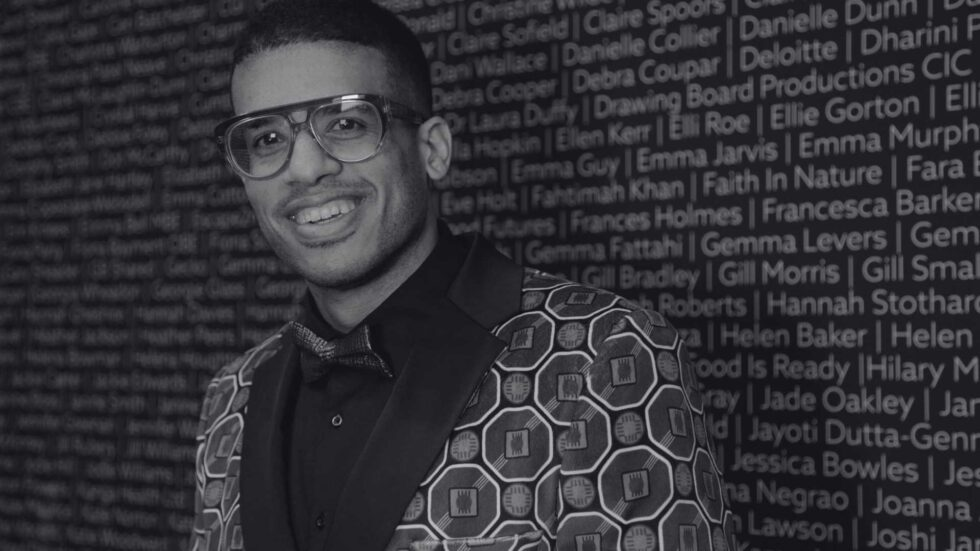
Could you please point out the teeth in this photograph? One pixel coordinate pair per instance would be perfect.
(325, 212)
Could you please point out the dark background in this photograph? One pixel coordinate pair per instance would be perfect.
(792, 183)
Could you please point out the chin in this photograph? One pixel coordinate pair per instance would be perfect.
(329, 270)
(349, 278)
(343, 270)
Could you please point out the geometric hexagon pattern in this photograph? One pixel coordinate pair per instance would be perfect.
(605, 383)
(466, 500)
(587, 434)
(559, 384)
(671, 427)
(622, 375)
(587, 441)
(588, 531)
(708, 487)
(635, 484)
(517, 444)
(684, 527)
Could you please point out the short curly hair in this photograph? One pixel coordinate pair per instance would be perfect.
(361, 22)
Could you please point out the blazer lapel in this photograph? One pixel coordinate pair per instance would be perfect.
(489, 285)
(264, 503)
(446, 367)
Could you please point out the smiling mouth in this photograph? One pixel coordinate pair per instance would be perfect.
(325, 213)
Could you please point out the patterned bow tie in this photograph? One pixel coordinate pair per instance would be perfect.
(353, 350)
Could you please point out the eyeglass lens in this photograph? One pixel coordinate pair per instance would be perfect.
(348, 131)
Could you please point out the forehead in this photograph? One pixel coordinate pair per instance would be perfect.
(305, 71)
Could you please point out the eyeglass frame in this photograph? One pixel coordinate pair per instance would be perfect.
(387, 109)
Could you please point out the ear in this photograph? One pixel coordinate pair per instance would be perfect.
(435, 146)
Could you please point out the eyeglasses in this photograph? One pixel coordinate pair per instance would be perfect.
(350, 128)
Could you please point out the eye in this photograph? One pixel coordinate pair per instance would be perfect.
(264, 136)
(267, 140)
(351, 123)
(345, 125)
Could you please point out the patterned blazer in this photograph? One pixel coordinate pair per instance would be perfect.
(540, 415)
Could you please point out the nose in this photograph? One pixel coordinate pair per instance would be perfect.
(309, 162)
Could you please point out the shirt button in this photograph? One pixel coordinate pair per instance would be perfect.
(337, 420)
(319, 521)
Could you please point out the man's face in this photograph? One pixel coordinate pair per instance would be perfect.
(337, 224)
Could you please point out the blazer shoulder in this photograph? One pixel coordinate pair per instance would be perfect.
(602, 313)
(228, 391)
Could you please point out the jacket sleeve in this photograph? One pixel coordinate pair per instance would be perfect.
(637, 467)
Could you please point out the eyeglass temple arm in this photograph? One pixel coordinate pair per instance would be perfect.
(406, 112)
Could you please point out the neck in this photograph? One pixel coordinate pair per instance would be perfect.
(344, 308)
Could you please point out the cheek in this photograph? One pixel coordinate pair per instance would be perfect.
(260, 197)
(412, 195)
(405, 184)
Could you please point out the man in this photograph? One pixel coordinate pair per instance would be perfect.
(432, 394)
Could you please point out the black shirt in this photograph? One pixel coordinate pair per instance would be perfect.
(334, 416)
